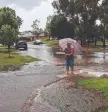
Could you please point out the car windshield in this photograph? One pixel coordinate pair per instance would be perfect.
(38, 40)
(21, 43)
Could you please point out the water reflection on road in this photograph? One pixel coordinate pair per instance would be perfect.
(94, 63)
(17, 85)
(40, 51)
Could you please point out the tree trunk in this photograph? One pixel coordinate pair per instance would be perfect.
(37, 37)
(104, 37)
(95, 41)
(9, 51)
(81, 41)
(104, 45)
(49, 37)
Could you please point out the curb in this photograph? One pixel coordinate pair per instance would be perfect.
(34, 94)
(30, 100)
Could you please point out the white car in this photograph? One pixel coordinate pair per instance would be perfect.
(38, 42)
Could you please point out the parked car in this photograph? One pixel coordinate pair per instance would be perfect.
(22, 44)
(38, 42)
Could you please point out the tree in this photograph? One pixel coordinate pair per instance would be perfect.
(103, 17)
(35, 27)
(83, 13)
(20, 21)
(41, 31)
(8, 17)
(48, 26)
(60, 27)
(8, 35)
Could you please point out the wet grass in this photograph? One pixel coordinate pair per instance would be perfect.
(4, 49)
(100, 84)
(101, 111)
(105, 110)
(15, 61)
(92, 48)
(30, 42)
(101, 43)
(51, 43)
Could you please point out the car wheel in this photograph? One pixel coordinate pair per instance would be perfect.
(25, 48)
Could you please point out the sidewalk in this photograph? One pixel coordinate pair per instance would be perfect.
(66, 96)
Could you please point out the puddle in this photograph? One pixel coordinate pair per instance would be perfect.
(94, 63)
(96, 74)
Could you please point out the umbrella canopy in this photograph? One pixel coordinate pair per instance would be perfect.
(74, 44)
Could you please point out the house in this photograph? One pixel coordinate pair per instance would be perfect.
(28, 35)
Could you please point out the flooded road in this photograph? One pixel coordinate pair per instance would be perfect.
(42, 52)
(16, 86)
(94, 64)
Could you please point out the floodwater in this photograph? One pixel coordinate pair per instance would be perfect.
(55, 97)
(94, 64)
(16, 86)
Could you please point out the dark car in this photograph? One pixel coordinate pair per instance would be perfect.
(22, 44)
(38, 42)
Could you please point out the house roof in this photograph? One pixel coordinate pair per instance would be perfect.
(27, 34)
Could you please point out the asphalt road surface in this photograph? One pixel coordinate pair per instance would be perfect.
(16, 86)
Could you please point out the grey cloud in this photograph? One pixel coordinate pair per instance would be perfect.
(27, 4)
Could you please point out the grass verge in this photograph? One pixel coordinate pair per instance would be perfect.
(105, 110)
(95, 49)
(14, 62)
(101, 43)
(4, 49)
(98, 84)
(51, 43)
(30, 42)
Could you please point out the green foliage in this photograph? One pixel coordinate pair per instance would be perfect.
(80, 12)
(4, 49)
(8, 17)
(20, 21)
(15, 60)
(84, 15)
(98, 84)
(35, 27)
(51, 43)
(7, 34)
(60, 27)
(47, 30)
(36, 30)
(9, 25)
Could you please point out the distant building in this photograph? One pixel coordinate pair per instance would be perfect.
(28, 35)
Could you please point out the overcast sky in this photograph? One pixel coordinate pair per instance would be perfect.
(29, 10)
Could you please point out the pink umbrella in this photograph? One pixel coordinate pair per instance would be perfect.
(74, 44)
